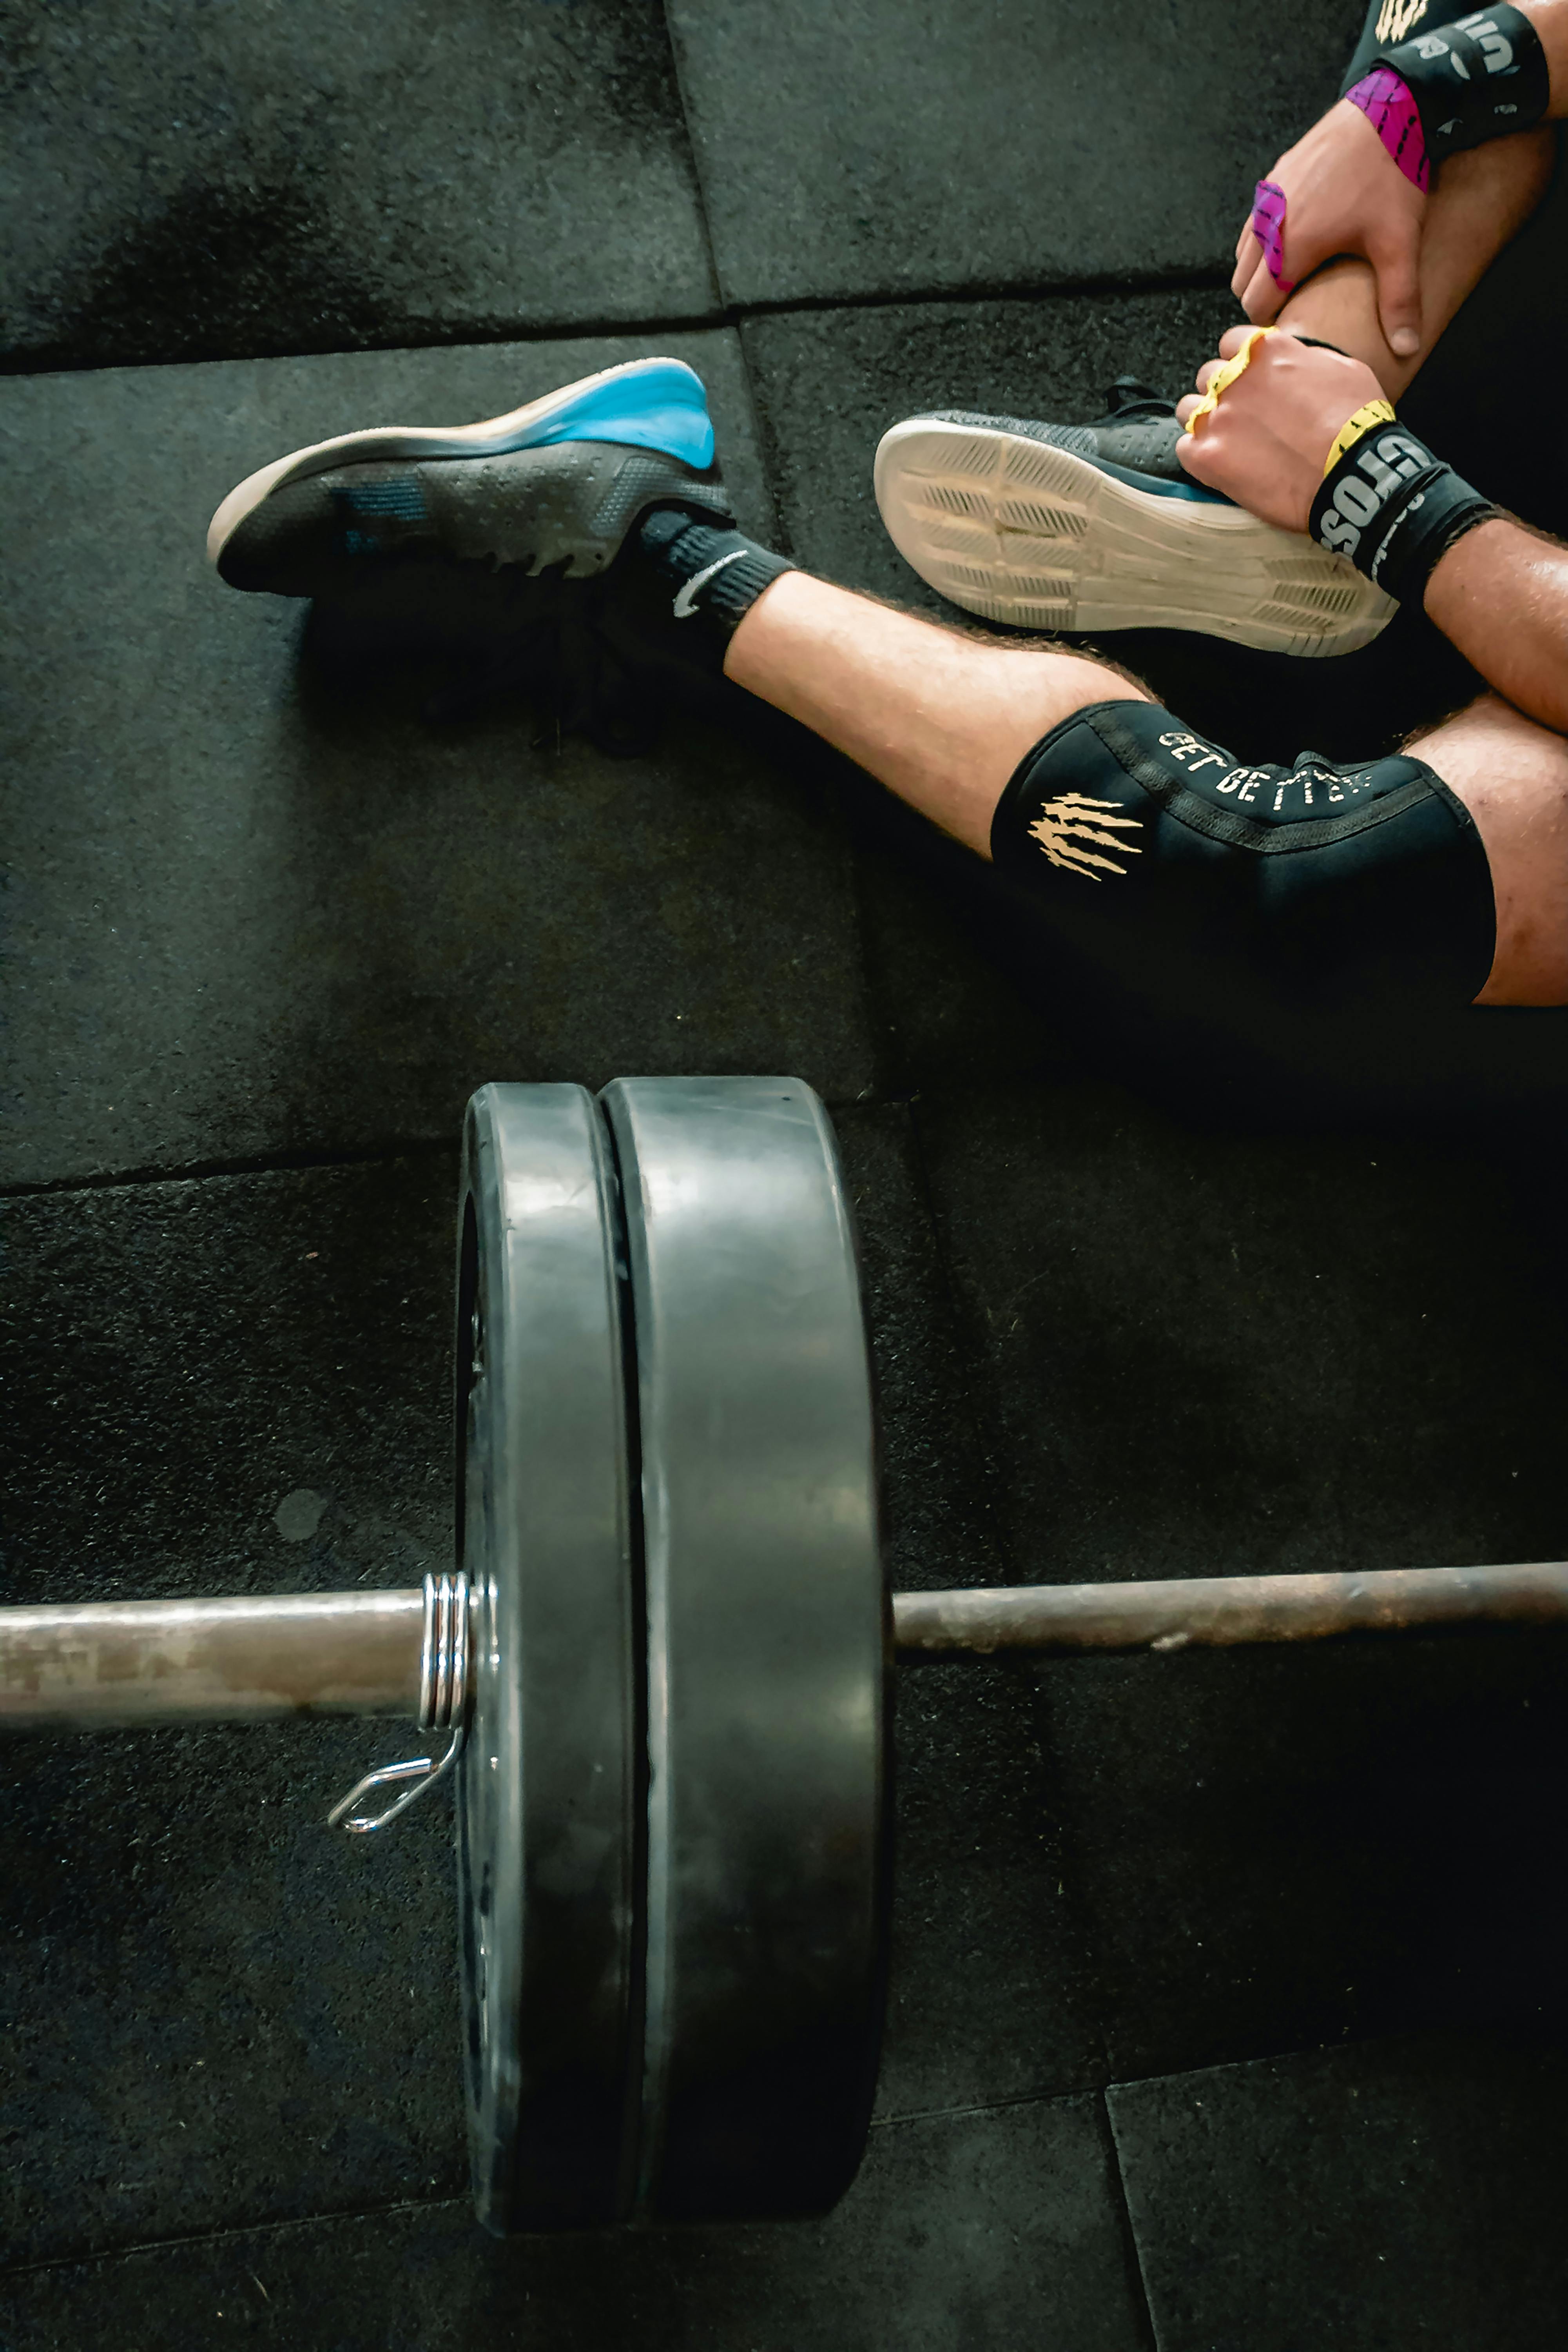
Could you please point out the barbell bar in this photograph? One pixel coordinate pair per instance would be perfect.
(662, 1657)
(102, 1665)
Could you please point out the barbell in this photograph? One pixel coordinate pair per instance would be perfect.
(661, 1660)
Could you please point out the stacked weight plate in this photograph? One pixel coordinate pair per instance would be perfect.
(670, 1822)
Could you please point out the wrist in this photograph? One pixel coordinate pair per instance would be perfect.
(1390, 506)
(1467, 571)
(1386, 99)
(1480, 77)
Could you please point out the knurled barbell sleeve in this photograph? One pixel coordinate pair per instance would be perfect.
(244, 1660)
(1220, 1610)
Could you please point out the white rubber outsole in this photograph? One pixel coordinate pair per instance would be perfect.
(1017, 531)
(491, 437)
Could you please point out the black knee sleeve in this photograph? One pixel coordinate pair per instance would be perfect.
(1319, 888)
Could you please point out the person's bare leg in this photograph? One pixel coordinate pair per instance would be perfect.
(1513, 776)
(1482, 200)
(941, 719)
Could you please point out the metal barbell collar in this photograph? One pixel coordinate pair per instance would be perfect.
(443, 1706)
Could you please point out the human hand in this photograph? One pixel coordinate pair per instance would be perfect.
(1343, 194)
(1266, 443)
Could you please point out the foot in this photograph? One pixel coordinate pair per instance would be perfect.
(1091, 528)
(558, 549)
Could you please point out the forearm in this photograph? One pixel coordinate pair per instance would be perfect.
(1480, 204)
(1500, 595)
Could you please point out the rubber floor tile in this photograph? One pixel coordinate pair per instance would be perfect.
(1396, 2194)
(1214, 1353)
(990, 2232)
(220, 182)
(876, 148)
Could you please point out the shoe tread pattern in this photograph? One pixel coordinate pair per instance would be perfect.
(1024, 530)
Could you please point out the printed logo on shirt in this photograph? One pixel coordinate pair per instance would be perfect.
(1072, 829)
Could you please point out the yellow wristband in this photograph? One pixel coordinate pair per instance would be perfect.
(1227, 376)
(1376, 412)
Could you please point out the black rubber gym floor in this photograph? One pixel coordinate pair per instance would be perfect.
(1228, 1989)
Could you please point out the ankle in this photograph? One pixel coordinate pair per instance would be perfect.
(717, 574)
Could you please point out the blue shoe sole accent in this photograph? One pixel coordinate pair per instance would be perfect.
(661, 406)
(657, 405)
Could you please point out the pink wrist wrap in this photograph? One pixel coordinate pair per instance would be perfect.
(1386, 102)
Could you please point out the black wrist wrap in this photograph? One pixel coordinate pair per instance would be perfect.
(1393, 508)
(1476, 79)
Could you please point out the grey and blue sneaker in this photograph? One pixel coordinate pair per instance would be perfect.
(554, 485)
(1093, 528)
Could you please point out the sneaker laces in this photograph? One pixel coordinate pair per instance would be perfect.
(1130, 397)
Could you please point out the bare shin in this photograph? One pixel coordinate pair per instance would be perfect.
(940, 719)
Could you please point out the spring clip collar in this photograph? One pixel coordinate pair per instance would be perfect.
(443, 1706)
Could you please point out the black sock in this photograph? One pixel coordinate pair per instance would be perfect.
(716, 575)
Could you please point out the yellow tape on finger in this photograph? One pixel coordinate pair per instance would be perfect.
(1227, 376)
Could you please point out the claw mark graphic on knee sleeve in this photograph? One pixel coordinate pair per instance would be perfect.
(1068, 824)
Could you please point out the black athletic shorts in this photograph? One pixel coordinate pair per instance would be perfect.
(1157, 859)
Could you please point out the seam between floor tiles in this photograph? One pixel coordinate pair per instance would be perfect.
(81, 2261)
(199, 1172)
(985, 2107)
(1133, 2246)
(883, 1093)
(269, 1163)
(1418, 2034)
(474, 336)
(985, 290)
(960, 1319)
(83, 2258)
(672, 47)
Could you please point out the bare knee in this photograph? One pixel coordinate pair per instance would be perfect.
(1513, 776)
